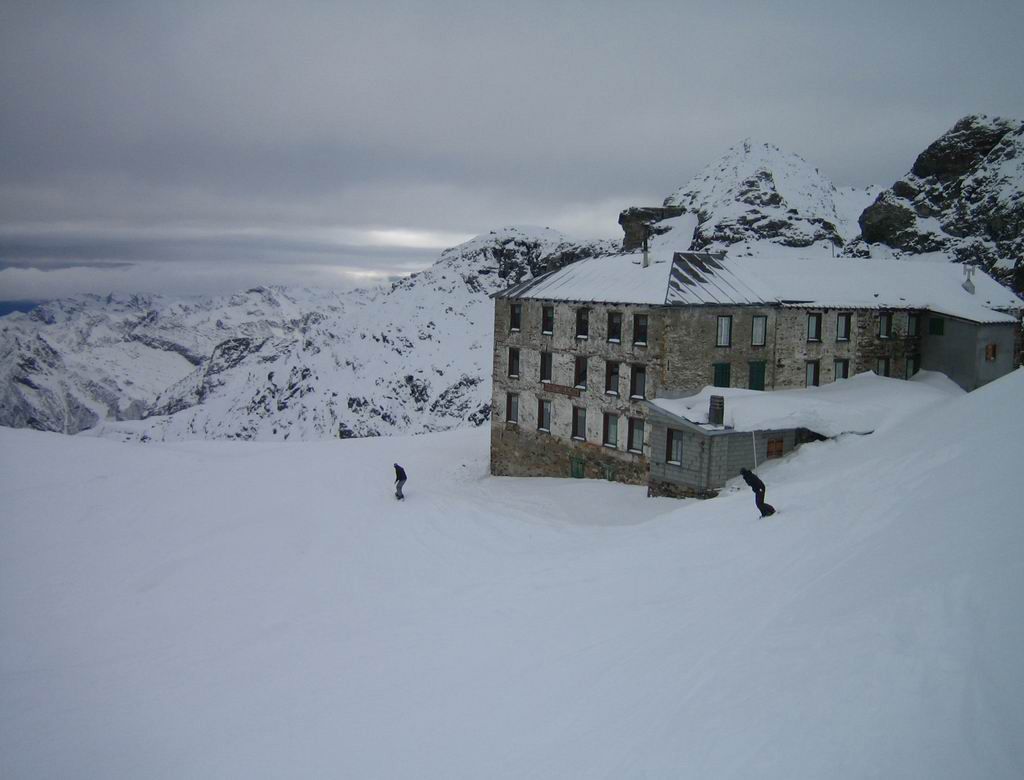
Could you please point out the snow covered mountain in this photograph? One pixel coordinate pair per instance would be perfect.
(964, 196)
(758, 193)
(271, 362)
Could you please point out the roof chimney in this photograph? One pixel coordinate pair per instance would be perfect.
(968, 282)
(647, 259)
(716, 410)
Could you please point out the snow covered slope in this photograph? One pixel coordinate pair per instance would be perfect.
(225, 609)
(272, 362)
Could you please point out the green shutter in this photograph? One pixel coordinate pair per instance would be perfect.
(576, 468)
(757, 375)
(721, 374)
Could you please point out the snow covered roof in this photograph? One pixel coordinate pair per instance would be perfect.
(713, 278)
(858, 405)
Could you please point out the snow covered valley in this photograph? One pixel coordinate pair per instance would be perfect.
(257, 609)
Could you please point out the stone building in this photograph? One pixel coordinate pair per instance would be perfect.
(579, 352)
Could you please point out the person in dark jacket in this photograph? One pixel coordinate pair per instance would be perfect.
(399, 481)
(766, 510)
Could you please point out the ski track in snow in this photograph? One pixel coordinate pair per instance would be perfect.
(226, 609)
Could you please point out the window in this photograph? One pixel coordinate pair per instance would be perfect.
(547, 320)
(543, 415)
(513, 362)
(885, 325)
(758, 330)
(545, 366)
(774, 448)
(674, 447)
(812, 373)
(756, 378)
(512, 407)
(639, 328)
(721, 374)
(724, 336)
(636, 434)
(814, 327)
(515, 317)
(843, 320)
(841, 368)
(579, 422)
(611, 378)
(936, 326)
(610, 437)
(913, 324)
(882, 366)
(582, 323)
(638, 382)
(990, 352)
(615, 326)
(580, 375)
(913, 365)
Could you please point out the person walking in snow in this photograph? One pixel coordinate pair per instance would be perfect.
(766, 510)
(399, 481)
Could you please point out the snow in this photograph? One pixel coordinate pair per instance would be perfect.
(861, 404)
(231, 609)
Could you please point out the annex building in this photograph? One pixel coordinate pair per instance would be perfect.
(582, 354)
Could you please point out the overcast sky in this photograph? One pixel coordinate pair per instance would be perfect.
(205, 147)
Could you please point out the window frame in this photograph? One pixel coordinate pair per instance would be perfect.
(885, 318)
(991, 352)
(845, 363)
(547, 320)
(514, 351)
(616, 339)
(512, 408)
(515, 317)
(816, 373)
(542, 404)
(672, 438)
(814, 334)
(750, 374)
(637, 319)
(775, 448)
(763, 318)
(727, 320)
(936, 326)
(844, 317)
(913, 324)
(608, 388)
(579, 420)
(606, 429)
(885, 362)
(636, 424)
(637, 370)
(583, 323)
(547, 360)
(912, 365)
(577, 375)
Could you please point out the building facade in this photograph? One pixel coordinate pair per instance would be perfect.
(572, 377)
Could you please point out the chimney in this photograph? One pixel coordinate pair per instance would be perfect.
(968, 281)
(716, 410)
(647, 260)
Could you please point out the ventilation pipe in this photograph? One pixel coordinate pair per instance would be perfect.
(647, 259)
(968, 280)
(716, 410)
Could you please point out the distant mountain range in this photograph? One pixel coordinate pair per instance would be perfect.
(415, 356)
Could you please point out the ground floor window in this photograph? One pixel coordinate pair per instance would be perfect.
(674, 447)
(721, 375)
(775, 448)
(882, 366)
(756, 379)
(913, 365)
(841, 368)
(636, 434)
(544, 415)
(812, 373)
(579, 422)
(611, 430)
(512, 407)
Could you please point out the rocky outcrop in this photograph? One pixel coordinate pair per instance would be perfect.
(641, 222)
(964, 196)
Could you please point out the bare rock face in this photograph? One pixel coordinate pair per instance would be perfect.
(640, 222)
(964, 196)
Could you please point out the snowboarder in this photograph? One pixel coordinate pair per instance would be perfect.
(399, 481)
(766, 510)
